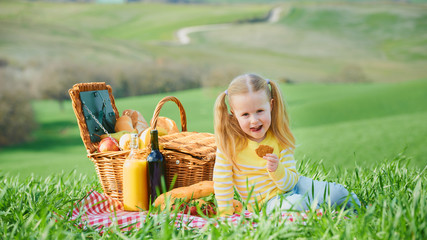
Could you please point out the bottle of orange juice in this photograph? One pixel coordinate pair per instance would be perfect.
(135, 188)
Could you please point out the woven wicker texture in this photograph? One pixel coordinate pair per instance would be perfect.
(189, 156)
(196, 144)
(109, 168)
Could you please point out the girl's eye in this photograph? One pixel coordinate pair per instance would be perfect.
(245, 114)
(260, 111)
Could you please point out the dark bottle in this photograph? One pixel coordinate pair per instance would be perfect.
(156, 167)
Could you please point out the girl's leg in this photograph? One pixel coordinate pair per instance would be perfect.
(290, 201)
(324, 192)
(307, 192)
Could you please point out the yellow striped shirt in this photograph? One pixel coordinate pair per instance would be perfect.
(253, 174)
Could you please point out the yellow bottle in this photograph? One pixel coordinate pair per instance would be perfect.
(135, 188)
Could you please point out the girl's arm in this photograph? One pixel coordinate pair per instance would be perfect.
(223, 184)
(285, 177)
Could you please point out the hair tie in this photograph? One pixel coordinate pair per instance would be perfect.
(268, 81)
(226, 92)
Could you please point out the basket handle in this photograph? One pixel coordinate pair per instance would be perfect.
(156, 113)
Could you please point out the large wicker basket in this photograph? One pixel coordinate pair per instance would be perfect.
(189, 156)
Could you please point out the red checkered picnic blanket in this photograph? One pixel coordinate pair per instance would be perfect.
(99, 210)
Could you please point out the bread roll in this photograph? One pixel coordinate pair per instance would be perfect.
(238, 206)
(138, 121)
(124, 123)
(166, 126)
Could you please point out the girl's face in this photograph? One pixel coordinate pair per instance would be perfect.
(253, 112)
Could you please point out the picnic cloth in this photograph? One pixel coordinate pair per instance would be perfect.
(99, 211)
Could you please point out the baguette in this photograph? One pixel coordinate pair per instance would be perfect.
(195, 191)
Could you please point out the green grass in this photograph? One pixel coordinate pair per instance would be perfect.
(393, 196)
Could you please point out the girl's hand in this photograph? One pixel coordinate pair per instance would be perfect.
(272, 162)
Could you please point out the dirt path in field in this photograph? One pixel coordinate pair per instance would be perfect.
(183, 33)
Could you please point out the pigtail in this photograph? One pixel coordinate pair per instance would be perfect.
(227, 130)
(220, 119)
(280, 120)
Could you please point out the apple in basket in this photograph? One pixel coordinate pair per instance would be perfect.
(107, 144)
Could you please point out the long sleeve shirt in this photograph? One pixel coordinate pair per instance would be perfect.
(253, 180)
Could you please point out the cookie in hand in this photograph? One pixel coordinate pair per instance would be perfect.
(262, 150)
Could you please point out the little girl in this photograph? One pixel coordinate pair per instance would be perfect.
(257, 116)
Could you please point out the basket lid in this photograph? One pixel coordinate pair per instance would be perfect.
(196, 144)
(108, 118)
(97, 108)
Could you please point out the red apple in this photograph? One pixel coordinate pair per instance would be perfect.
(107, 144)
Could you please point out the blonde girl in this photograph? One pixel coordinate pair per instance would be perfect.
(256, 115)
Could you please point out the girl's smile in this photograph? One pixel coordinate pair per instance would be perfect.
(253, 112)
(256, 129)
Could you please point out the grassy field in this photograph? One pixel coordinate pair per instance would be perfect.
(343, 125)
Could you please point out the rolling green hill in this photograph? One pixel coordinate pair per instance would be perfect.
(103, 32)
(316, 41)
(342, 124)
(331, 42)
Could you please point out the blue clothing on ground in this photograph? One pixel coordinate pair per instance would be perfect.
(308, 192)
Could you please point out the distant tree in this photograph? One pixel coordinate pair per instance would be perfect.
(60, 76)
(17, 120)
(148, 78)
(350, 73)
(220, 76)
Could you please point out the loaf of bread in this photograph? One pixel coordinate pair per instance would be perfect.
(262, 150)
(138, 121)
(124, 123)
(195, 191)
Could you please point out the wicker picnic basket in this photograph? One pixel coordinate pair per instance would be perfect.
(189, 156)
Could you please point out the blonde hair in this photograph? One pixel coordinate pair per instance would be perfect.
(230, 138)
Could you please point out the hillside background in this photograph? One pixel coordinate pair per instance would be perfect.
(353, 72)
